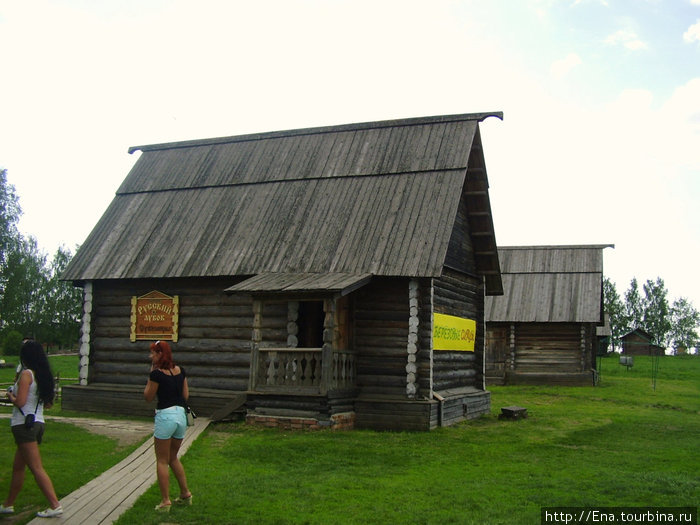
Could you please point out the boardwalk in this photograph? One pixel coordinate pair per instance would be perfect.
(105, 498)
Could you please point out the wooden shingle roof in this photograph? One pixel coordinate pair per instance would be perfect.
(549, 284)
(375, 198)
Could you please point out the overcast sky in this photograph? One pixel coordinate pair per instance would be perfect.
(600, 141)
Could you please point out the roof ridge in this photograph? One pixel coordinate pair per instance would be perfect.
(558, 247)
(414, 121)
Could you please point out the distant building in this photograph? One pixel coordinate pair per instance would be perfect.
(639, 342)
(548, 326)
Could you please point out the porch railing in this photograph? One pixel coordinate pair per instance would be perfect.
(303, 370)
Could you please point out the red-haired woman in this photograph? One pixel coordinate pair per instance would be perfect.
(168, 382)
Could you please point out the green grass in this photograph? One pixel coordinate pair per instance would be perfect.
(65, 365)
(621, 443)
(71, 456)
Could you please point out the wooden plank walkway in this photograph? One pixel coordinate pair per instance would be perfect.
(105, 498)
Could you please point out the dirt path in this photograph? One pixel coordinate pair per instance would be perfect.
(125, 432)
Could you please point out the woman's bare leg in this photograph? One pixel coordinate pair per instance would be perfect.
(178, 469)
(18, 469)
(162, 448)
(32, 458)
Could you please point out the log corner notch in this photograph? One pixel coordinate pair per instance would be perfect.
(412, 346)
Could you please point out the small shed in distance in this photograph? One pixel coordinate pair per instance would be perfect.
(542, 330)
(640, 342)
(303, 274)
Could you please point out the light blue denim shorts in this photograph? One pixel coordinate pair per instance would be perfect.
(170, 422)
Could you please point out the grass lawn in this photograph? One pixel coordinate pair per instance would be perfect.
(622, 443)
(71, 455)
(66, 366)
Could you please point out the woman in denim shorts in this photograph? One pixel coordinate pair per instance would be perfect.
(168, 383)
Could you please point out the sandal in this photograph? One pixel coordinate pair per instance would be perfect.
(184, 501)
(163, 507)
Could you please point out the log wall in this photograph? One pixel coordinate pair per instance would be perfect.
(381, 335)
(542, 353)
(548, 347)
(214, 333)
(462, 296)
(213, 345)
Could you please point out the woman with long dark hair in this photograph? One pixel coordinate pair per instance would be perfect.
(32, 392)
(168, 382)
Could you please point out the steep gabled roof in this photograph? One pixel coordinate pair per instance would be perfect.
(549, 284)
(376, 198)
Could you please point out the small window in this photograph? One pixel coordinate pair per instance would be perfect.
(310, 323)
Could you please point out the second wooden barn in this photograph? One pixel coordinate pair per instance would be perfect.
(318, 277)
(542, 330)
(639, 342)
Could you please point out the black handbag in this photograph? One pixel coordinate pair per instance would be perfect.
(29, 418)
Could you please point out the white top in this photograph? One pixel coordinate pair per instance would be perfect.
(30, 407)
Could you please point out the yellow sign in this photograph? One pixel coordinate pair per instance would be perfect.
(154, 316)
(453, 333)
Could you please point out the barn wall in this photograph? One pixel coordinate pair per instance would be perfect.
(548, 347)
(381, 334)
(213, 346)
(214, 333)
(551, 353)
(462, 296)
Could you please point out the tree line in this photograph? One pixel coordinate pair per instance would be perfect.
(671, 325)
(34, 302)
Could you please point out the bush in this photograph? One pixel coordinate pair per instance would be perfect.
(12, 343)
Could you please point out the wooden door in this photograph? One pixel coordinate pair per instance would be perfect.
(496, 350)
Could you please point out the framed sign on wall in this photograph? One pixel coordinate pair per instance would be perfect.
(154, 316)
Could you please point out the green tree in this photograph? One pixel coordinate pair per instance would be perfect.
(12, 342)
(615, 308)
(63, 303)
(25, 275)
(634, 308)
(10, 212)
(656, 320)
(33, 299)
(685, 320)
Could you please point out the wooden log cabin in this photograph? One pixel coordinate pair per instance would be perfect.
(640, 342)
(326, 277)
(543, 330)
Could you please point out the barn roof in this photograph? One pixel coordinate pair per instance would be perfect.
(375, 198)
(549, 284)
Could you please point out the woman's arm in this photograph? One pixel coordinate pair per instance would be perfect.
(19, 398)
(185, 390)
(149, 393)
